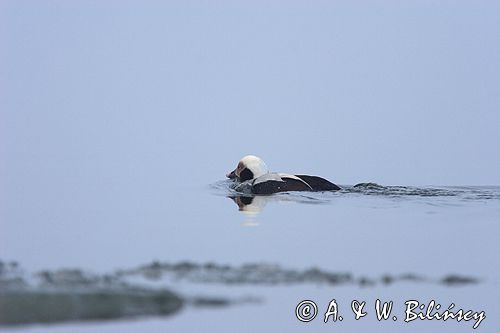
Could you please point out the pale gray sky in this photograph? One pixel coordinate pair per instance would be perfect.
(387, 91)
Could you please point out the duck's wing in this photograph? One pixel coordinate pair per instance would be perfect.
(295, 183)
(318, 183)
(278, 182)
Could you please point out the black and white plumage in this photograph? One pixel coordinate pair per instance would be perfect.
(252, 176)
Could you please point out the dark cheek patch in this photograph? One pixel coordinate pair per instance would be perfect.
(246, 174)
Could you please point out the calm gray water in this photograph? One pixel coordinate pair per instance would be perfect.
(392, 243)
(118, 122)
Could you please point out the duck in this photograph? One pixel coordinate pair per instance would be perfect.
(252, 176)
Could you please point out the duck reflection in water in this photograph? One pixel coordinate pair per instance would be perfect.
(253, 205)
(250, 205)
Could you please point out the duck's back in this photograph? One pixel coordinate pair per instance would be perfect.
(274, 183)
(318, 183)
(278, 182)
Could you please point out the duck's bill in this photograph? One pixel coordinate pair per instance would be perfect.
(231, 175)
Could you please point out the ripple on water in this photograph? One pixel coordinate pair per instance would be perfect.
(432, 195)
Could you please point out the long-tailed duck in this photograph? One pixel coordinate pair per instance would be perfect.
(252, 176)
